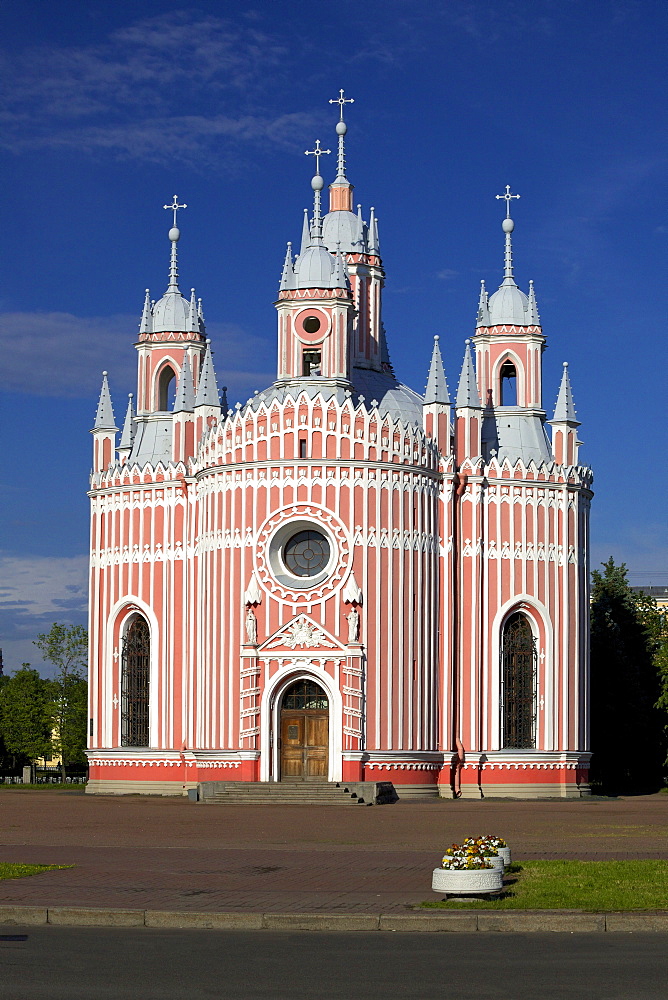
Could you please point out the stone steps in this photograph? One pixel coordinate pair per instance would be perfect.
(281, 793)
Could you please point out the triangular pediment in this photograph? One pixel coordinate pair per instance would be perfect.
(301, 633)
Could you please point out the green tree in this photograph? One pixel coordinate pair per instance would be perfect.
(66, 647)
(25, 714)
(626, 730)
(655, 620)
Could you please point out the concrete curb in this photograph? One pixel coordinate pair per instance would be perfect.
(462, 921)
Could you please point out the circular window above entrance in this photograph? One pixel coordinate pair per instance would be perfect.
(306, 553)
(301, 554)
(302, 547)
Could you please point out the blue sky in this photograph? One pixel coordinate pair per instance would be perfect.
(111, 108)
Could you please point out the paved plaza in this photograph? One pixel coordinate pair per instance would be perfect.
(171, 854)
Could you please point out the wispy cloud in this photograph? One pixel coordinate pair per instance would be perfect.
(35, 592)
(179, 81)
(38, 590)
(36, 347)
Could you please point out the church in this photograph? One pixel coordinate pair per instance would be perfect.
(342, 580)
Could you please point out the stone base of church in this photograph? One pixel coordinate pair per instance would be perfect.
(533, 790)
(106, 787)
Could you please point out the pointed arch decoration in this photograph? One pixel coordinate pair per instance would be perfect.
(135, 683)
(518, 678)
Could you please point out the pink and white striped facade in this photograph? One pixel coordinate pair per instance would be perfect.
(442, 519)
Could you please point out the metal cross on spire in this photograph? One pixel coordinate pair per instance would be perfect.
(341, 101)
(317, 152)
(174, 207)
(507, 197)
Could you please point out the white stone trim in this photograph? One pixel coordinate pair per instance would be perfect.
(132, 605)
(533, 609)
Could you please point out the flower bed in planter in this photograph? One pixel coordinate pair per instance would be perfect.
(475, 868)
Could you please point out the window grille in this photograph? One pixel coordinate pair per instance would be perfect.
(135, 677)
(518, 665)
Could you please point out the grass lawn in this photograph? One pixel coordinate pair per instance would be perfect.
(22, 871)
(576, 885)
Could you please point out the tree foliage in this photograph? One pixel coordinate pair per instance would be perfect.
(25, 714)
(66, 646)
(627, 737)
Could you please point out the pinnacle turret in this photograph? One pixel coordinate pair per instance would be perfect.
(534, 318)
(146, 323)
(184, 401)
(207, 389)
(104, 418)
(129, 427)
(287, 273)
(467, 390)
(437, 387)
(483, 306)
(306, 233)
(564, 411)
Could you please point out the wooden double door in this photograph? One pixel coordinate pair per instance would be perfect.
(305, 733)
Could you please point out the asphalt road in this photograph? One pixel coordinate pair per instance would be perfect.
(62, 963)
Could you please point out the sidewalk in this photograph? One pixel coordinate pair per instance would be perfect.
(149, 854)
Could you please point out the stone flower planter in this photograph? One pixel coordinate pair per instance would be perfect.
(473, 882)
(497, 861)
(504, 852)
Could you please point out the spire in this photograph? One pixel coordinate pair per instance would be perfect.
(341, 129)
(129, 427)
(207, 390)
(193, 318)
(467, 391)
(174, 235)
(184, 400)
(200, 311)
(317, 184)
(483, 307)
(437, 387)
(564, 411)
(508, 225)
(374, 246)
(104, 418)
(287, 273)
(224, 405)
(534, 318)
(146, 323)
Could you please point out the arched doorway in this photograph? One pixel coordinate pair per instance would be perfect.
(518, 663)
(304, 747)
(135, 680)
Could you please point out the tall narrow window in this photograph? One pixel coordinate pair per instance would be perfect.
(302, 447)
(518, 663)
(508, 378)
(166, 389)
(135, 678)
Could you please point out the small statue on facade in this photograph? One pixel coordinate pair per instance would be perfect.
(353, 625)
(251, 628)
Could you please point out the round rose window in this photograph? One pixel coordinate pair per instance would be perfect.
(306, 553)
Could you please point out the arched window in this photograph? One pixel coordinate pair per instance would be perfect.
(166, 388)
(508, 384)
(518, 664)
(135, 679)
